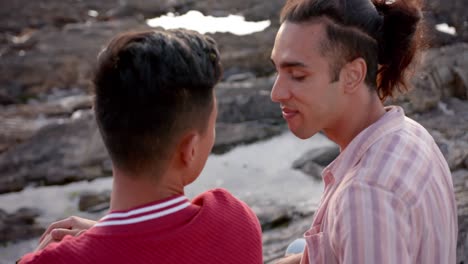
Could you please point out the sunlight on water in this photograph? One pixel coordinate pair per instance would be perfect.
(195, 20)
(446, 29)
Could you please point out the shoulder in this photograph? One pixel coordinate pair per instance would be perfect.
(215, 194)
(220, 200)
(403, 162)
(216, 197)
(412, 140)
(231, 225)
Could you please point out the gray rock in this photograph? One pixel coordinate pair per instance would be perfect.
(312, 169)
(253, 9)
(321, 156)
(448, 125)
(460, 182)
(273, 215)
(455, 151)
(19, 225)
(57, 154)
(66, 57)
(93, 202)
(74, 47)
(249, 53)
(14, 17)
(229, 135)
(442, 75)
(6, 99)
(21, 122)
(275, 241)
(452, 12)
(150, 9)
(16, 130)
(450, 118)
(239, 77)
(247, 101)
(61, 107)
(313, 162)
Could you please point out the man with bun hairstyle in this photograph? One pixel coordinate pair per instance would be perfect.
(388, 196)
(156, 110)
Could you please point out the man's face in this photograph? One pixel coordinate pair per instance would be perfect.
(309, 101)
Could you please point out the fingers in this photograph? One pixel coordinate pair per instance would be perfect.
(81, 232)
(73, 226)
(70, 223)
(58, 234)
(44, 242)
(65, 223)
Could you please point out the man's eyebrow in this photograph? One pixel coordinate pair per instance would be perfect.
(290, 64)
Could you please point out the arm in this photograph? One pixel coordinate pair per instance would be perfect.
(371, 225)
(72, 225)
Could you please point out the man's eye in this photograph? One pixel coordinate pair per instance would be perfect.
(298, 77)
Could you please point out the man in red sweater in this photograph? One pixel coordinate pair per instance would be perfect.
(156, 111)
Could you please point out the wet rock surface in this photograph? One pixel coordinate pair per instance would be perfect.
(229, 135)
(276, 241)
(19, 225)
(313, 162)
(94, 202)
(460, 182)
(57, 154)
(58, 142)
(452, 12)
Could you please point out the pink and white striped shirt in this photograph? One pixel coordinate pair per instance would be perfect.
(388, 199)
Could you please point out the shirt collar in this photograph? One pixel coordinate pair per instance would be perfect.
(146, 212)
(391, 121)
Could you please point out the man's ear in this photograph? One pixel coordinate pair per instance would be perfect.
(353, 74)
(188, 148)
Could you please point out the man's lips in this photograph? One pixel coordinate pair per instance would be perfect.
(289, 113)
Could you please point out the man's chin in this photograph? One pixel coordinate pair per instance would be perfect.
(302, 134)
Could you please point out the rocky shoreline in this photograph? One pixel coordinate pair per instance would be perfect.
(47, 130)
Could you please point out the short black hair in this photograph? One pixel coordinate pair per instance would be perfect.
(150, 87)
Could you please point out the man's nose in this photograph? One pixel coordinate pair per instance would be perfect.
(279, 92)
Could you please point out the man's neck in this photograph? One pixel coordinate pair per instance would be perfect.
(129, 192)
(363, 112)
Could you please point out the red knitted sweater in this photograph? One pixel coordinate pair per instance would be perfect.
(214, 228)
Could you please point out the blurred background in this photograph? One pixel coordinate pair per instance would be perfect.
(53, 163)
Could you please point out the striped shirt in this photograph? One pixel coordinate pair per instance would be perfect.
(388, 199)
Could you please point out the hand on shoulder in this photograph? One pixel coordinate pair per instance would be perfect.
(73, 226)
